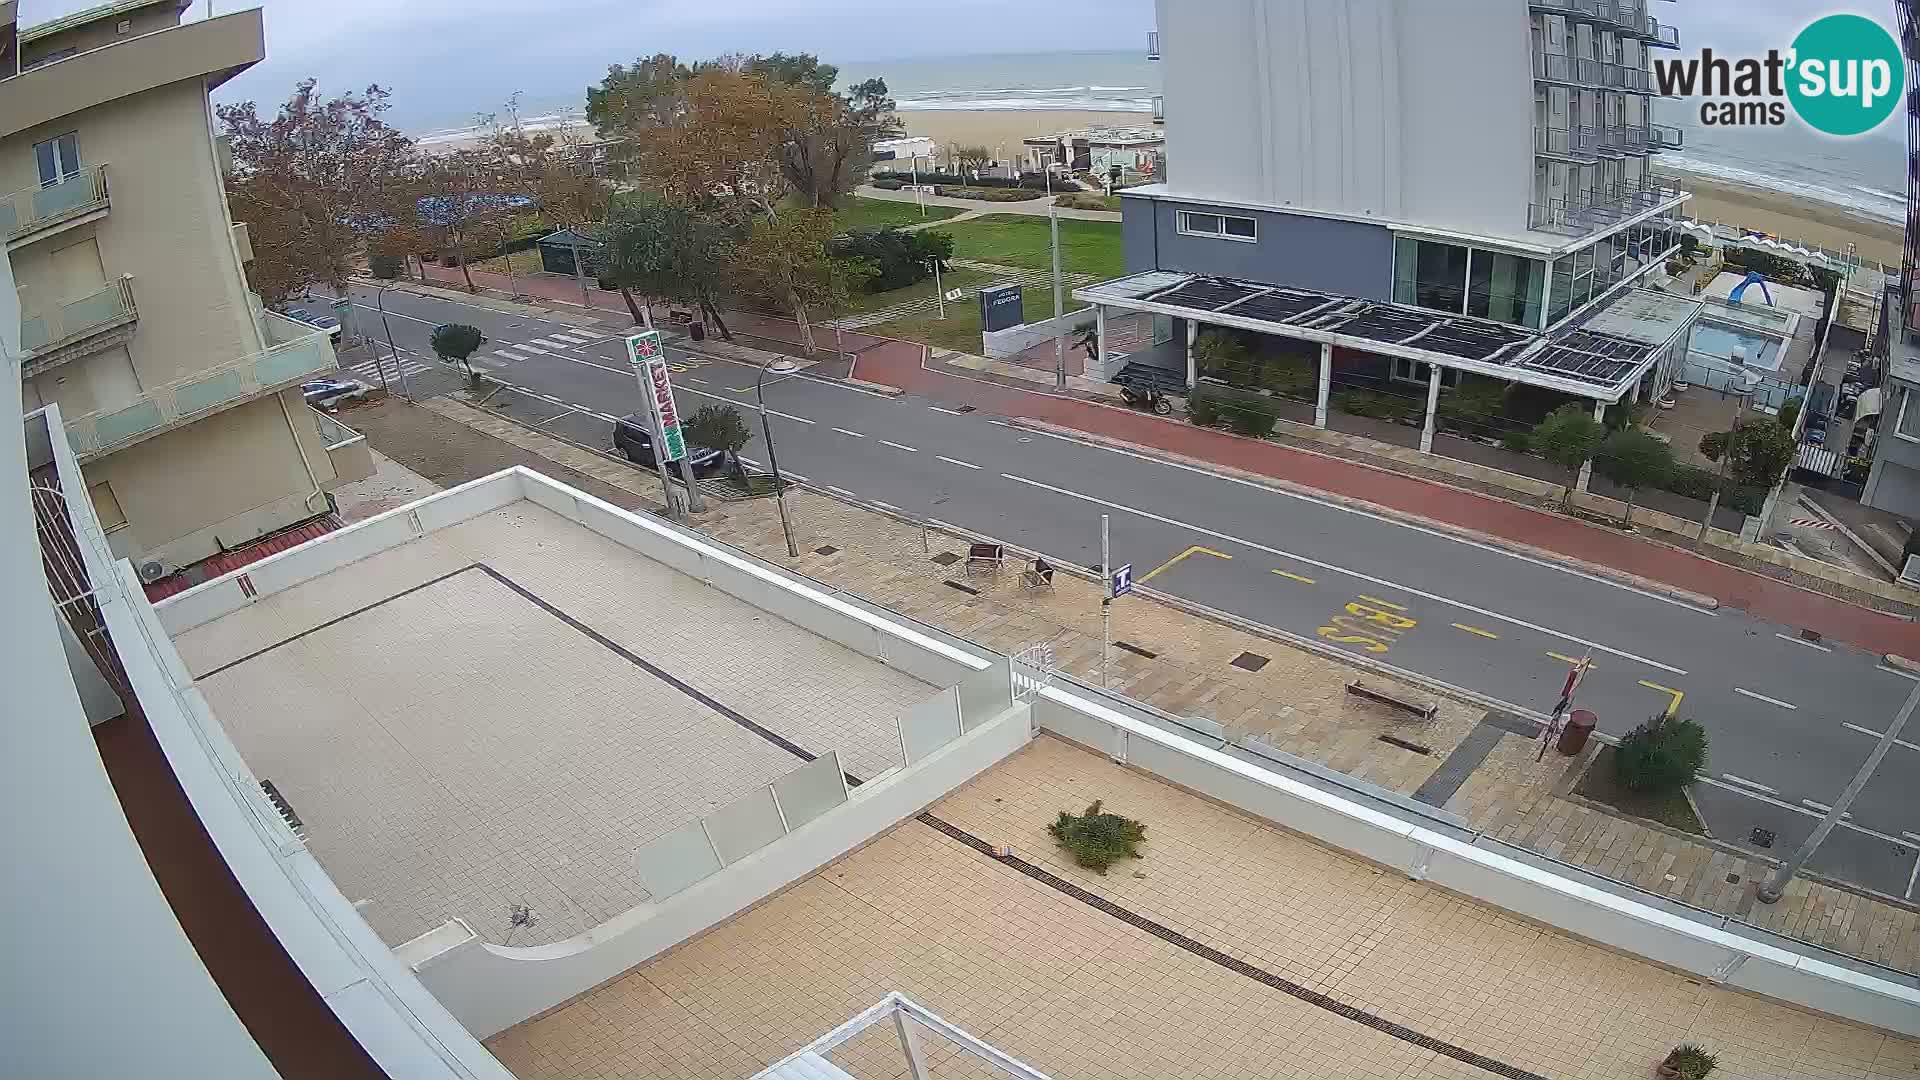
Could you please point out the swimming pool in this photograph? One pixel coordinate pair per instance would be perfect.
(1719, 340)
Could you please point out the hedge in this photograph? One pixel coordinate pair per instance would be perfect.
(1034, 181)
(888, 185)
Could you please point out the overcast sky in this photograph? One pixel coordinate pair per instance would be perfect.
(446, 59)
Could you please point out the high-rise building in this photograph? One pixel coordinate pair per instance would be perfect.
(182, 395)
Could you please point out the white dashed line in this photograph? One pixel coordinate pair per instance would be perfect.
(1880, 735)
(844, 431)
(962, 464)
(508, 355)
(1803, 641)
(842, 491)
(949, 412)
(532, 349)
(886, 506)
(790, 416)
(551, 343)
(1765, 698)
(1744, 782)
(999, 423)
(1824, 808)
(1897, 671)
(582, 408)
(1914, 877)
(900, 446)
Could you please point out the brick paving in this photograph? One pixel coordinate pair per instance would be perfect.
(1296, 702)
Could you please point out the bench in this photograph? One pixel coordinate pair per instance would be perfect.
(1039, 575)
(985, 557)
(1381, 697)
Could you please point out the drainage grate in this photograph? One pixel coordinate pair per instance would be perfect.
(1405, 745)
(1733, 879)
(968, 589)
(946, 558)
(280, 803)
(1135, 649)
(1248, 661)
(1761, 837)
(964, 408)
(827, 549)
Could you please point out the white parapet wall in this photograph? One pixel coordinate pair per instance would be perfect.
(1665, 937)
(1014, 340)
(491, 988)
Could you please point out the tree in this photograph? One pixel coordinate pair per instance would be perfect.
(897, 258)
(1663, 754)
(973, 157)
(311, 183)
(1097, 839)
(1633, 459)
(1568, 437)
(785, 259)
(722, 428)
(674, 253)
(457, 341)
(1756, 450)
(825, 155)
(469, 199)
(555, 172)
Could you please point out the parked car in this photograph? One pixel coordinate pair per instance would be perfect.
(321, 322)
(633, 437)
(329, 393)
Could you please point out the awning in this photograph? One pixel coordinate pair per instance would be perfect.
(1868, 404)
(1817, 459)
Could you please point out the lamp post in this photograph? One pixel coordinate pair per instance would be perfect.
(380, 297)
(778, 367)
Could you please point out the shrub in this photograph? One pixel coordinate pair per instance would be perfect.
(1255, 418)
(1205, 411)
(1086, 200)
(888, 185)
(384, 267)
(1663, 754)
(1096, 839)
(898, 257)
(991, 194)
(1691, 1062)
(1519, 442)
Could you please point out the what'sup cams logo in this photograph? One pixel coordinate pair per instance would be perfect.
(1843, 75)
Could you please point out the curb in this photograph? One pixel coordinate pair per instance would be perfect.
(878, 388)
(1901, 663)
(1599, 570)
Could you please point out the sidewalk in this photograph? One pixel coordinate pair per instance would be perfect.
(1184, 666)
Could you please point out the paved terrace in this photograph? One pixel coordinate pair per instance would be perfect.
(501, 712)
(1231, 949)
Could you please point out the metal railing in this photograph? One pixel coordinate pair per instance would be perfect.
(1664, 136)
(1633, 80)
(1153, 44)
(1597, 208)
(1662, 35)
(1574, 70)
(109, 306)
(334, 433)
(1588, 8)
(1574, 142)
(184, 400)
(24, 212)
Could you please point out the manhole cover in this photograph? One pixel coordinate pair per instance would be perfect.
(1733, 879)
(828, 549)
(965, 408)
(946, 558)
(1247, 661)
(1762, 837)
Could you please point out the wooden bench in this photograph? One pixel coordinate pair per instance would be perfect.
(1380, 697)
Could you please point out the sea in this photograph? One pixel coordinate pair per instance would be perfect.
(1866, 175)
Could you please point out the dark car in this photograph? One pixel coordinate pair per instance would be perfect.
(633, 437)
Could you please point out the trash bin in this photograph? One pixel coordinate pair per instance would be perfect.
(1573, 737)
(698, 330)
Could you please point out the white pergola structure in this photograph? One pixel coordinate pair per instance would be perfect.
(1603, 356)
(908, 1019)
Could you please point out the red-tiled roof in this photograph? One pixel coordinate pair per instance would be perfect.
(228, 561)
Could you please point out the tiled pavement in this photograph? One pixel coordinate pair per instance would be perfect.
(1297, 699)
(1046, 976)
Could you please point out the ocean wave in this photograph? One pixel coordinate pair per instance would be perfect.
(1893, 196)
(1082, 103)
(1118, 89)
(1875, 207)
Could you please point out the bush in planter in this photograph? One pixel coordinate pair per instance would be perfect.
(384, 267)
(1205, 411)
(888, 185)
(1663, 754)
(1097, 839)
(1255, 418)
(1519, 442)
(1688, 1061)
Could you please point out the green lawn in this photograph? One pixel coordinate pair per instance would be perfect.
(949, 280)
(864, 213)
(1086, 247)
(960, 330)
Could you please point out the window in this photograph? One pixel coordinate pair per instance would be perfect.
(1505, 288)
(1222, 226)
(1413, 371)
(1430, 275)
(58, 158)
(1909, 415)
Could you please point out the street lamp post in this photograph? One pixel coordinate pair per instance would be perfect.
(381, 298)
(778, 367)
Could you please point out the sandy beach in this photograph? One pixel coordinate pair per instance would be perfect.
(1792, 218)
(1006, 127)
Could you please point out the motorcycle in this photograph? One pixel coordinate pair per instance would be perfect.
(1149, 398)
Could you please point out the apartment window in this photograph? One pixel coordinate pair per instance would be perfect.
(58, 158)
(1430, 275)
(1414, 371)
(1221, 226)
(1505, 288)
(1909, 416)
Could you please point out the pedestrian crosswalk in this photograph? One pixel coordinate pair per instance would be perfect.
(376, 372)
(498, 358)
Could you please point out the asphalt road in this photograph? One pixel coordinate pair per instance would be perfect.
(1790, 721)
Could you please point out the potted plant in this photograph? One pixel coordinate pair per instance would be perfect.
(1688, 1061)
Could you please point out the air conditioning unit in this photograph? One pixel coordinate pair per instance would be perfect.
(151, 571)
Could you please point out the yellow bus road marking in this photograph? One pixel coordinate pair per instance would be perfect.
(1295, 577)
(1169, 564)
(1382, 603)
(1672, 706)
(1565, 659)
(1476, 631)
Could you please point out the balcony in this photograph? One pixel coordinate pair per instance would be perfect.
(305, 353)
(1159, 109)
(26, 216)
(1579, 145)
(1633, 80)
(1569, 70)
(1663, 137)
(79, 327)
(1153, 44)
(346, 448)
(1596, 209)
(1660, 35)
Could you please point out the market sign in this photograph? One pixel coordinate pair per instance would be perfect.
(649, 360)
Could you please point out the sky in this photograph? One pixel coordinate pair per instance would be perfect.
(448, 59)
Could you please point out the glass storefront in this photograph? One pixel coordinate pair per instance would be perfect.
(1471, 281)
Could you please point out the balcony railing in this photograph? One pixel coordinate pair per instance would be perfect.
(1573, 70)
(1661, 35)
(1159, 109)
(93, 313)
(1594, 209)
(1664, 137)
(1580, 143)
(1587, 8)
(185, 400)
(1153, 44)
(1634, 80)
(346, 449)
(25, 213)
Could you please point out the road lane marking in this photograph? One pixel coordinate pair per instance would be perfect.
(844, 431)
(949, 412)
(551, 343)
(1765, 698)
(842, 491)
(1785, 805)
(1476, 631)
(957, 461)
(1383, 582)
(1897, 671)
(1803, 641)
(1825, 808)
(900, 446)
(1170, 563)
(535, 349)
(397, 315)
(1744, 782)
(1296, 577)
(1913, 877)
(739, 389)
(509, 354)
(691, 379)
(1383, 519)
(1678, 695)
(886, 506)
(1880, 735)
(1565, 659)
(1382, 603)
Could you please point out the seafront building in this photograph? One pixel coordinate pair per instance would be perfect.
(1893, 482)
